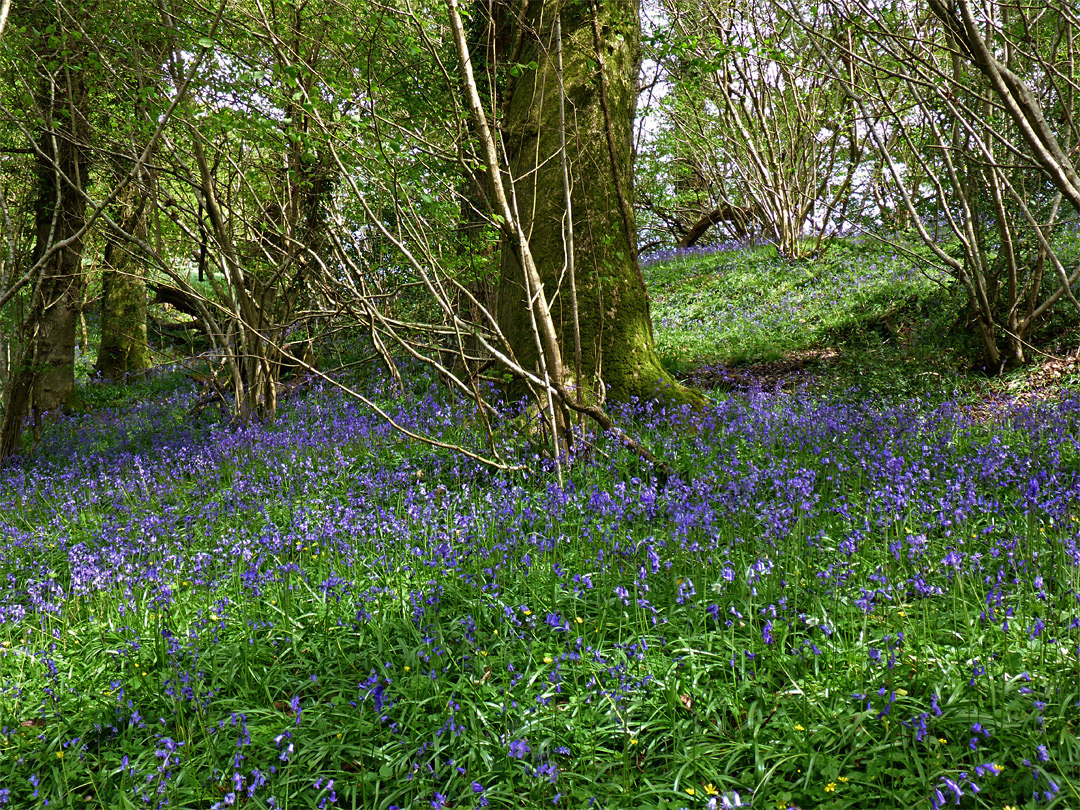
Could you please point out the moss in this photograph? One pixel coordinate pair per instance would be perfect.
(124, 346)
(613, 306)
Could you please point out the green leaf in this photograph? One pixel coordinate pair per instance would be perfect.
(206, 42)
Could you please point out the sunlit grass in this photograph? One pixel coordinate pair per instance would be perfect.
(749, 305)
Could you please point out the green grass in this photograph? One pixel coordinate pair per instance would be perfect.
(894, 328)
(749, 305)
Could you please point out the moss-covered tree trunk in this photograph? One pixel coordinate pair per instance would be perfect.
(123, 346)
(44, 378)
(615, 327)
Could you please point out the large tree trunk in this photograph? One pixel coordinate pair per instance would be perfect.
(44, 379)
(123, 346)
(615, 327)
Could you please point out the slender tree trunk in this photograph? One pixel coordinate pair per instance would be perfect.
(615, 327)
(478, 268)
(477, 257)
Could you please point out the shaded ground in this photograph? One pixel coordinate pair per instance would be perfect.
(1043, 380)
(793, 368)
(863, 322)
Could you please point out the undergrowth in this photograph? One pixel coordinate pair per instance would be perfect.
(831, 605)
(845, 596)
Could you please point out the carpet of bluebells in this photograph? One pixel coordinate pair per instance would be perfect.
(827, 605)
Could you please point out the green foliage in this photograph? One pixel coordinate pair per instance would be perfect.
(735, 306)
(97, 393)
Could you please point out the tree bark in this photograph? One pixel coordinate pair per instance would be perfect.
(123, 348)
(615, 327)
(1016, 97)
(739, 217)
(478, 268)
(44, 378)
